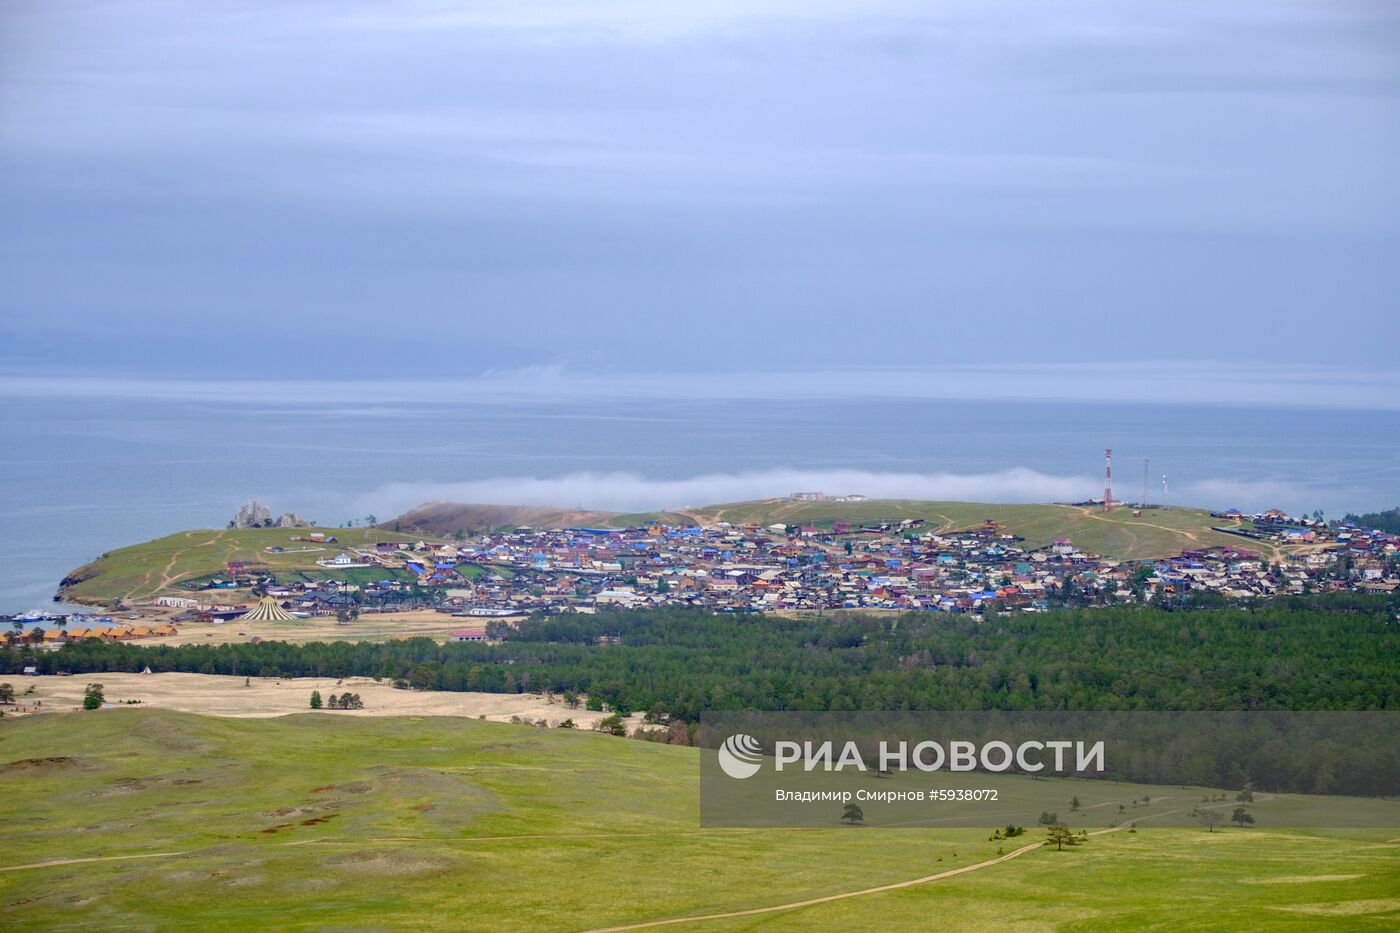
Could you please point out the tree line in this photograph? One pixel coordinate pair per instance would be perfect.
(1321, 654)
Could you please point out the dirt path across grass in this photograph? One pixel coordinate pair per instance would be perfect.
(894, 886)
(93, 858)
(168, 577)
(753, 911)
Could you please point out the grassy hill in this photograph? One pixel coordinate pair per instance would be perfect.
(448, 518)
(1117, 534)
(143, 570)
(146, 818)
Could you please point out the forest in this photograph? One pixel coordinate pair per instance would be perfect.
(1387, 521)
(1338, 652)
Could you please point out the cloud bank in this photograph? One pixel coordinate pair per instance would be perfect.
(633, 492)
(629, 492)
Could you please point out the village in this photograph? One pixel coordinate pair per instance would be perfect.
(896, 566)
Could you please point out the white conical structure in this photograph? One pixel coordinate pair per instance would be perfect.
(266, 610)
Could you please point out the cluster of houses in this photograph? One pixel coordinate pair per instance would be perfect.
(898, 566)
(734, 568)
(1337, 539)
(55, 630)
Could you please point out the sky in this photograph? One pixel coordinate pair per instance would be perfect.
(1058, 196)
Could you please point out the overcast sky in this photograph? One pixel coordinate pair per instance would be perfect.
(440, 189)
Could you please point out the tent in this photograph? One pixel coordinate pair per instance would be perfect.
(267, 610)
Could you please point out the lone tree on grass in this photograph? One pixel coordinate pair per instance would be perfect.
(1074, 803)
(1049, 817)
(1060, 836)
(1212, 819)
(853, 814)
(92, 697)
(7, 693)
(315, 699)
(1241, 816)
(343, 701)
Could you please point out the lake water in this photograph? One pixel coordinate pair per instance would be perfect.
(85, 475)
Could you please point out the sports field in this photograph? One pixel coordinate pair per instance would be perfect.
(151, 819)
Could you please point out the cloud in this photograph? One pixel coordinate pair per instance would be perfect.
(619, 491)
(1251, 496)
(881, 184)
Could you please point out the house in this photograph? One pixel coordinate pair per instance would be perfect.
(468, 634)
(342, 561)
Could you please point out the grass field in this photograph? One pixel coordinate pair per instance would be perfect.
(336, 823)
(1116, 534)
(144, 570)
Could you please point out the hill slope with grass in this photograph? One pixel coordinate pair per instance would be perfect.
(129, 818)
(141, 571)
(1117, 534)
(144, 570)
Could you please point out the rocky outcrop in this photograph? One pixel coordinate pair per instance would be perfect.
(253, 514)
(292, 520)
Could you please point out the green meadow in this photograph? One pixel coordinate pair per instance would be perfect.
(141, 571)
(153, 820)
(1118, 534)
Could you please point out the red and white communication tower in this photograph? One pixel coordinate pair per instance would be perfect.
(1108, 479)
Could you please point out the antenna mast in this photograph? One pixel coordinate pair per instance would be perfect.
(1108, 479)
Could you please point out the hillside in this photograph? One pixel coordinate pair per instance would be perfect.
(140, 571)
(447, 518)
(144, 570)
(1117, 534)
(335, 821)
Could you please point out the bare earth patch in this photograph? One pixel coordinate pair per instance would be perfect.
(1299, 879)
(253, 697)
(1379, 905)
(390, 863)
(38, 764)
